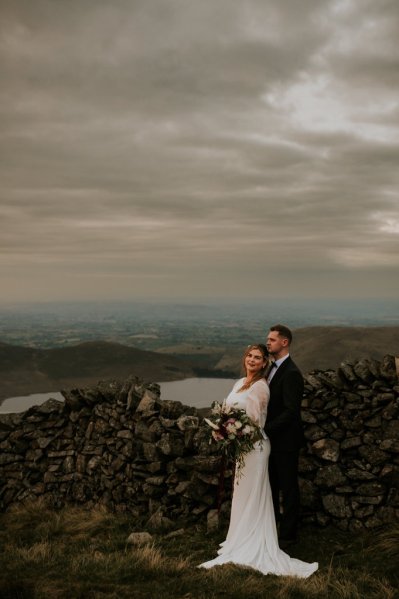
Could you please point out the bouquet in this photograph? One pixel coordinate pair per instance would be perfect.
(234, 432)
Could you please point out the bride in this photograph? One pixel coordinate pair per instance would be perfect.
(252, 536)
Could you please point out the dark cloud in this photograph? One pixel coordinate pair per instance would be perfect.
(198, 148)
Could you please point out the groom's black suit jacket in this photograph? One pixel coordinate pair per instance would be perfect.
(283, 422)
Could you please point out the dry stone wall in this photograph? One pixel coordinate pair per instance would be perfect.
(120, 445)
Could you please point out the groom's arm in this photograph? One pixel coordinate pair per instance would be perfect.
(292, 392)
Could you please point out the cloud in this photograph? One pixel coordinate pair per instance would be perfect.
(214, 142)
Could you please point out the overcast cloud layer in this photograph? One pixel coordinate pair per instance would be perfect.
(186, 148)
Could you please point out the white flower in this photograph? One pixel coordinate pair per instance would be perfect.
(217, 408)
(212, 424)
(231, 428)
(247, 430)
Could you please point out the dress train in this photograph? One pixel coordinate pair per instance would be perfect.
(252, 536)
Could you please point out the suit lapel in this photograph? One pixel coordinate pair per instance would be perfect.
(279, 372)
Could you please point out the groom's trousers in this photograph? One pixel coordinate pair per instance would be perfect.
(283, 474)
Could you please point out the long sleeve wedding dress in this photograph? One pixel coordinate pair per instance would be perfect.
(252, 536)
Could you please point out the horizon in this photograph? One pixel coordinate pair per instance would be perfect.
(215, 300)
(295, 312)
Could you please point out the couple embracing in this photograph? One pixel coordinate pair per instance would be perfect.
(271, 394)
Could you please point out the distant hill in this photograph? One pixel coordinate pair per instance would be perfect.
(25, 370)
(326, 347)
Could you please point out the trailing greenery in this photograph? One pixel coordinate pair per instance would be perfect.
(75, 553)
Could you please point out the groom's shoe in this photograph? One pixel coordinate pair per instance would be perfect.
(285, 543)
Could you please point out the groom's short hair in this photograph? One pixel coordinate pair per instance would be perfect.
(283, 331)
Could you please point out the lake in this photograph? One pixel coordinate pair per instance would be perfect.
(197, 392)
(20, 404)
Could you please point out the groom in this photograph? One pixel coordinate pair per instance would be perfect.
(284, 429)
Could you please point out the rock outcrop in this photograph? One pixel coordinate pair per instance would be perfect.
(120, 445)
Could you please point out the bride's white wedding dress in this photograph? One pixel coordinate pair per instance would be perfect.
(252, 536)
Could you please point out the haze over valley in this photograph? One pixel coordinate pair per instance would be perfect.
(50, 347)
(169, 326)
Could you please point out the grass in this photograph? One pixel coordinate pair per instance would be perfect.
(78, 554)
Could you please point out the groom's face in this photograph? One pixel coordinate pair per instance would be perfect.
(276, 345)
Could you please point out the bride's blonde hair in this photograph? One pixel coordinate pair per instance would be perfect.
(262, 372)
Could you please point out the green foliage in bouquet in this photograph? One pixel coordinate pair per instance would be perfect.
(233, 431)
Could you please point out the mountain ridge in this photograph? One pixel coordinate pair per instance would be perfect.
(325, 347)
(25, 370)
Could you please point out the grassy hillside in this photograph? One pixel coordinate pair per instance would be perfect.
(75, 553)
(326, 347)
(26, 370)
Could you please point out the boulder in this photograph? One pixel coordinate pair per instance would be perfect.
(330, 476)
(326, 449)
(212, 521)
(336, 506)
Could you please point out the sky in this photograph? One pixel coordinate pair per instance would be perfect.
(199, 149)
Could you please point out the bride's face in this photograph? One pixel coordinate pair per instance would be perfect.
(254, 361)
